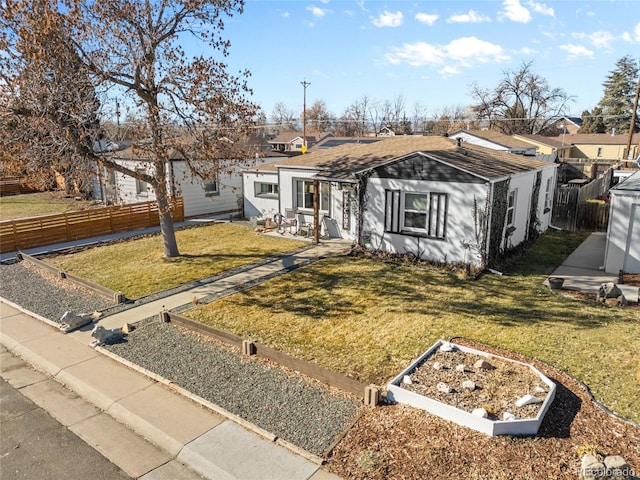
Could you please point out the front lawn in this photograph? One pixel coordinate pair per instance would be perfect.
(36, 204)
(368, 319)
(138, 267)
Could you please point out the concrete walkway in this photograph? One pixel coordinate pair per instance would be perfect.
(583, 270)
(182, 437)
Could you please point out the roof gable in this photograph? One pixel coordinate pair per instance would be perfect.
(417, 166)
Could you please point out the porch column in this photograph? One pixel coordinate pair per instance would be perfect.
(316, 211)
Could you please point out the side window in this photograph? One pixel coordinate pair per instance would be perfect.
(511, 207)
(142, 187)
(211, 187)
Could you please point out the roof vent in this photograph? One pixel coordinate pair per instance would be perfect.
(459, 141)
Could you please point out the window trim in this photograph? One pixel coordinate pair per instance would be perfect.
(513, 194)
(272, 194)
(142, 187)
(305, 207)
(213, 192)
(436, 212)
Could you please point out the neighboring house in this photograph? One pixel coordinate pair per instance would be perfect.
(291, 142)
(494, 141)
(567, 125)
(623, 233)
(592, 146)
(412, 194)
(221, 195)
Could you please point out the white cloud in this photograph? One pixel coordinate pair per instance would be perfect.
(462, 52)
(514, 11)
(427, 18)
(636, 31)
(528, 51)
(285, 15)
(449, 71)
(602, 39)
(317, 11)
(541, 8)
(471, 17)
(575, 51)
(389, 19)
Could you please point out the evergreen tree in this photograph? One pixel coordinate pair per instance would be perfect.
(619, 92)
(592, 121)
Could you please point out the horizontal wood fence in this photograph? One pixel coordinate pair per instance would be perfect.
(65, 227)
(310, 369)
(10, 186)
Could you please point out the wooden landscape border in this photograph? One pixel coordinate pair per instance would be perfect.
(32, 232)
(117, 297)
(307, 368)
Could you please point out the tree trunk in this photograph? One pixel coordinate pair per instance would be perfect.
(166, 225)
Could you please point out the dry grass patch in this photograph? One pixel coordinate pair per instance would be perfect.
(369, 320)
(35, 204)
(138, 267)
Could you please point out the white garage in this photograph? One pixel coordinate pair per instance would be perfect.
(623, 234)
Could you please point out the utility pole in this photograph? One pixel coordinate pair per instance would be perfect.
(633, 120)
(304, 84)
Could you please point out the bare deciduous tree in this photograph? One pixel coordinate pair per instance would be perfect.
(190, 106)
(523, 102)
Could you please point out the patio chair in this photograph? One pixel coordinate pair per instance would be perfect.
(304, 227)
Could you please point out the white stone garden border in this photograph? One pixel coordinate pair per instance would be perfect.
(527, 426)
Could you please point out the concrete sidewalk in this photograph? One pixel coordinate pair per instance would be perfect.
(583, 270)
(183, 436)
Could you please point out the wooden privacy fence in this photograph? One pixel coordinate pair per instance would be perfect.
(10, 186)
(65, 227)
(574, 207)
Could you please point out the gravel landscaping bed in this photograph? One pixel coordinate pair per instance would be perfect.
(45, 294)
(305, 413)
(285, 404)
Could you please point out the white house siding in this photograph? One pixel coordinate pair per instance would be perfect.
(125, 190)
(198, 202)
(459, 223)
(481, 142)
(259, 205)
(623, 235)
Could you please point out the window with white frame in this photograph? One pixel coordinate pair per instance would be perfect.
(211, 187)
(264, 189)
(304, 195)
(422, 213)
(511, 207)
(547, 196)
(142, 187)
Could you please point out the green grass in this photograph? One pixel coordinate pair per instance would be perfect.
(31, 205)
(138, 267)
(368, 320)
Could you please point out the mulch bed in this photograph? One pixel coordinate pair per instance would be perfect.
(397, 441)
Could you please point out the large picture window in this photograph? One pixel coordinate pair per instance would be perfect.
(422, 213)
(304, 195)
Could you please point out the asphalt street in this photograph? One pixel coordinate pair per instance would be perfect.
(34, 445)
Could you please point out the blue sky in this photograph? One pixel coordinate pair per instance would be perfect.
(428, 52)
